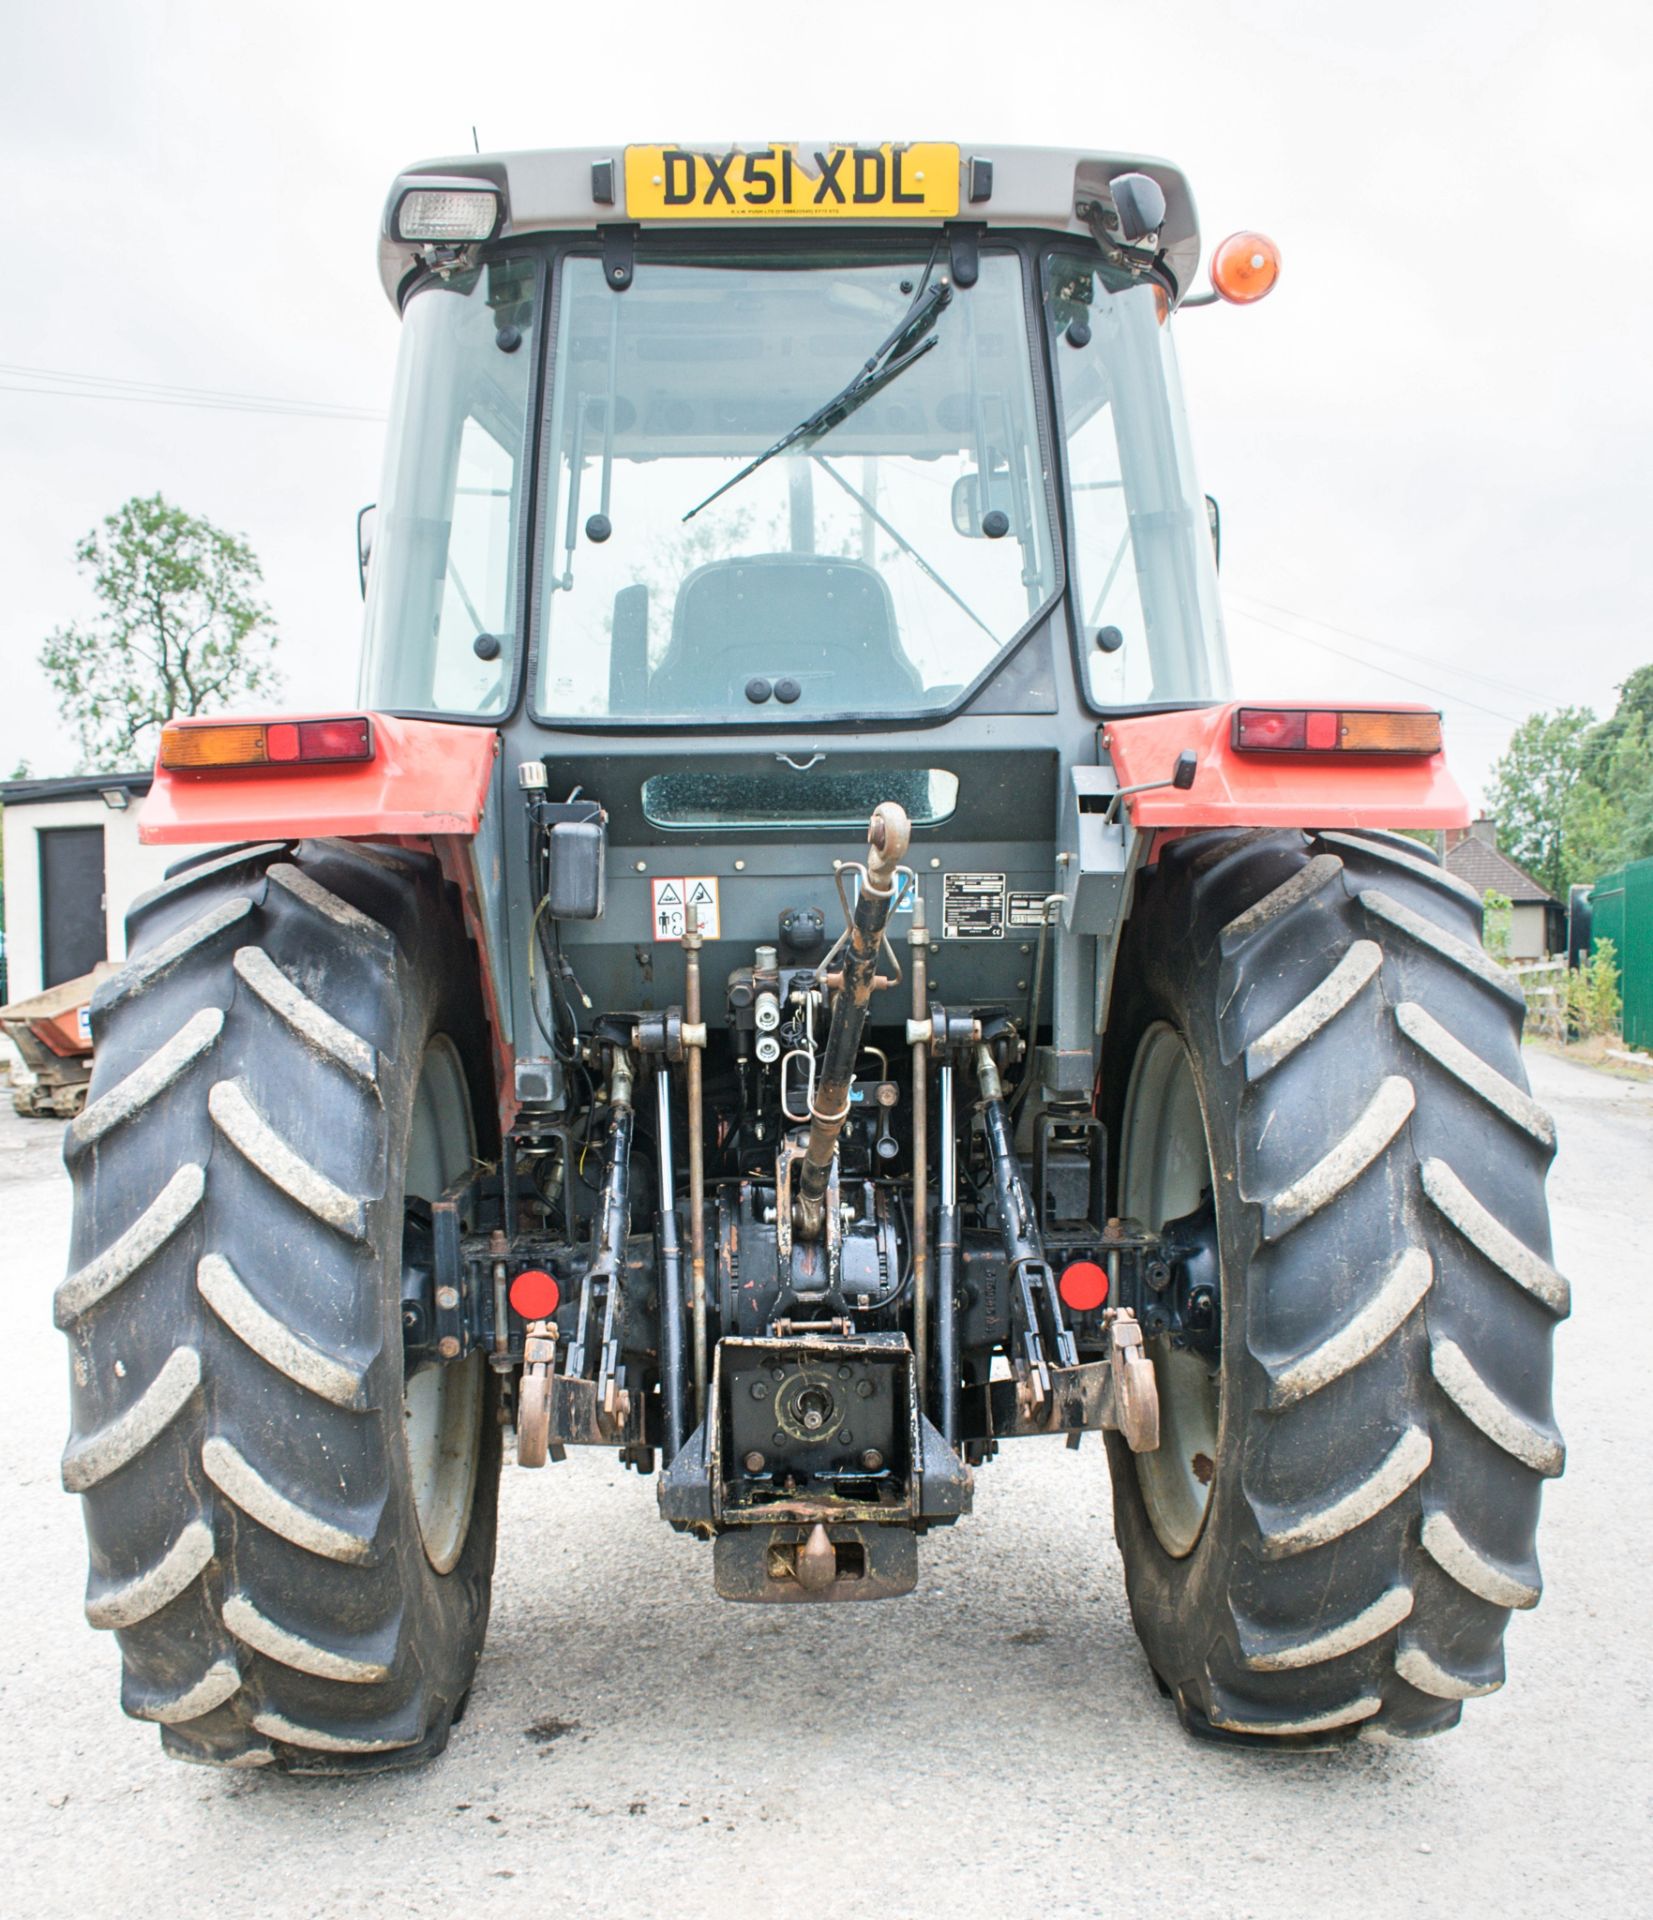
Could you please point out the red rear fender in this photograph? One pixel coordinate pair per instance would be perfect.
(1235, 789)
(426, 778)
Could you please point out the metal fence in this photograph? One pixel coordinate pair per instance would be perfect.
(1544, 987)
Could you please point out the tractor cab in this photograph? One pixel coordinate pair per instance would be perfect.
(786, 437)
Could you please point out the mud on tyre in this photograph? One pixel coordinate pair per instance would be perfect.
(1344, 1515)
(292, 1545)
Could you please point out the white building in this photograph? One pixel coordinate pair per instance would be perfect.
(73, 867)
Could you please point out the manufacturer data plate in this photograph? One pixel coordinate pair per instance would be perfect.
(785, 182)
(671, 899)
(972, 906)
(1027, 909)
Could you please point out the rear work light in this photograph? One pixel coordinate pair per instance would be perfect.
(190, 747)
(447, 213)
(1335, 730)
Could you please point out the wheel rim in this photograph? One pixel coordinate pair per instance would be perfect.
(1164, 1173)
(441, 1403)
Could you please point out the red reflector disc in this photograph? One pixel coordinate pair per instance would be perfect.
(1083, 1286)
(1320, 732)
(281, 741)
(535, 1293)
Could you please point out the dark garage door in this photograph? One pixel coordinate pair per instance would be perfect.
(71, 902)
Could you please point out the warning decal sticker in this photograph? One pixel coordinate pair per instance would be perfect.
(672, 898)
(972, 906)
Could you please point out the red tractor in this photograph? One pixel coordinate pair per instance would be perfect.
(547, 1052)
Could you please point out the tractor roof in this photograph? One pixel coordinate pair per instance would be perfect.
(582, 188)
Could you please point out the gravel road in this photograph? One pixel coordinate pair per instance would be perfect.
(992, 1745)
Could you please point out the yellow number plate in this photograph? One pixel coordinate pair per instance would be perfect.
(794, 183)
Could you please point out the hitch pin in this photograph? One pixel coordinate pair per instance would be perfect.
(1182, 777)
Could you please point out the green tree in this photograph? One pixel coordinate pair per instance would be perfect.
(1549, 821)
(1624, 734)
(179, 630)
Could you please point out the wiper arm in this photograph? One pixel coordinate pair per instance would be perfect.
(904, 348)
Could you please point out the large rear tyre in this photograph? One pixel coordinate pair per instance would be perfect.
(1342, 1512)
(293, 1543)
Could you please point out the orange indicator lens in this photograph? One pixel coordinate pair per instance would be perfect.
(1391, 732)
(1244, 267)
(232, 746)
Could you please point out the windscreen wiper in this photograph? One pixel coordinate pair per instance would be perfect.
(907, 345)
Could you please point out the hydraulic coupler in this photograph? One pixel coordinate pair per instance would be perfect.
(887, 839)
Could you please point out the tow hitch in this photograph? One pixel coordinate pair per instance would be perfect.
(819, 1470)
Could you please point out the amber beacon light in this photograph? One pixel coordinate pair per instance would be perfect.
(1244, 267)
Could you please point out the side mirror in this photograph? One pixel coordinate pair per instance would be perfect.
(974, 518)
(1214, 515)
(967, 506)
(364, 543)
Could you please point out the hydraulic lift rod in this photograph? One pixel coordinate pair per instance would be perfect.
(888, 836)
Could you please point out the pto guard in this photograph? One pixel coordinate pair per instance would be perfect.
(428, 779)
(1243, 789)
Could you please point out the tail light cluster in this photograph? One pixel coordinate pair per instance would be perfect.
(1335, 730)
(196, 747)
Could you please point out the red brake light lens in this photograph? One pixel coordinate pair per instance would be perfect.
(535, 1294)
(1261, 730)
(334, 740)
(1336, 730)
(1083, 1286)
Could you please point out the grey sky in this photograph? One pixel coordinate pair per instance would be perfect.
(1432, 445)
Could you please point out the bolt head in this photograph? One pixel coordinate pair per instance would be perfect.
(864, 1388)
(447, 1298)
(760, 1390)
(753, 1462)
(872, 1460)
(778, 1438)
(448, 1346)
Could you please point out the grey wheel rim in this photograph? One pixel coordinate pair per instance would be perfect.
(442, 1403)
(1165, 1170)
